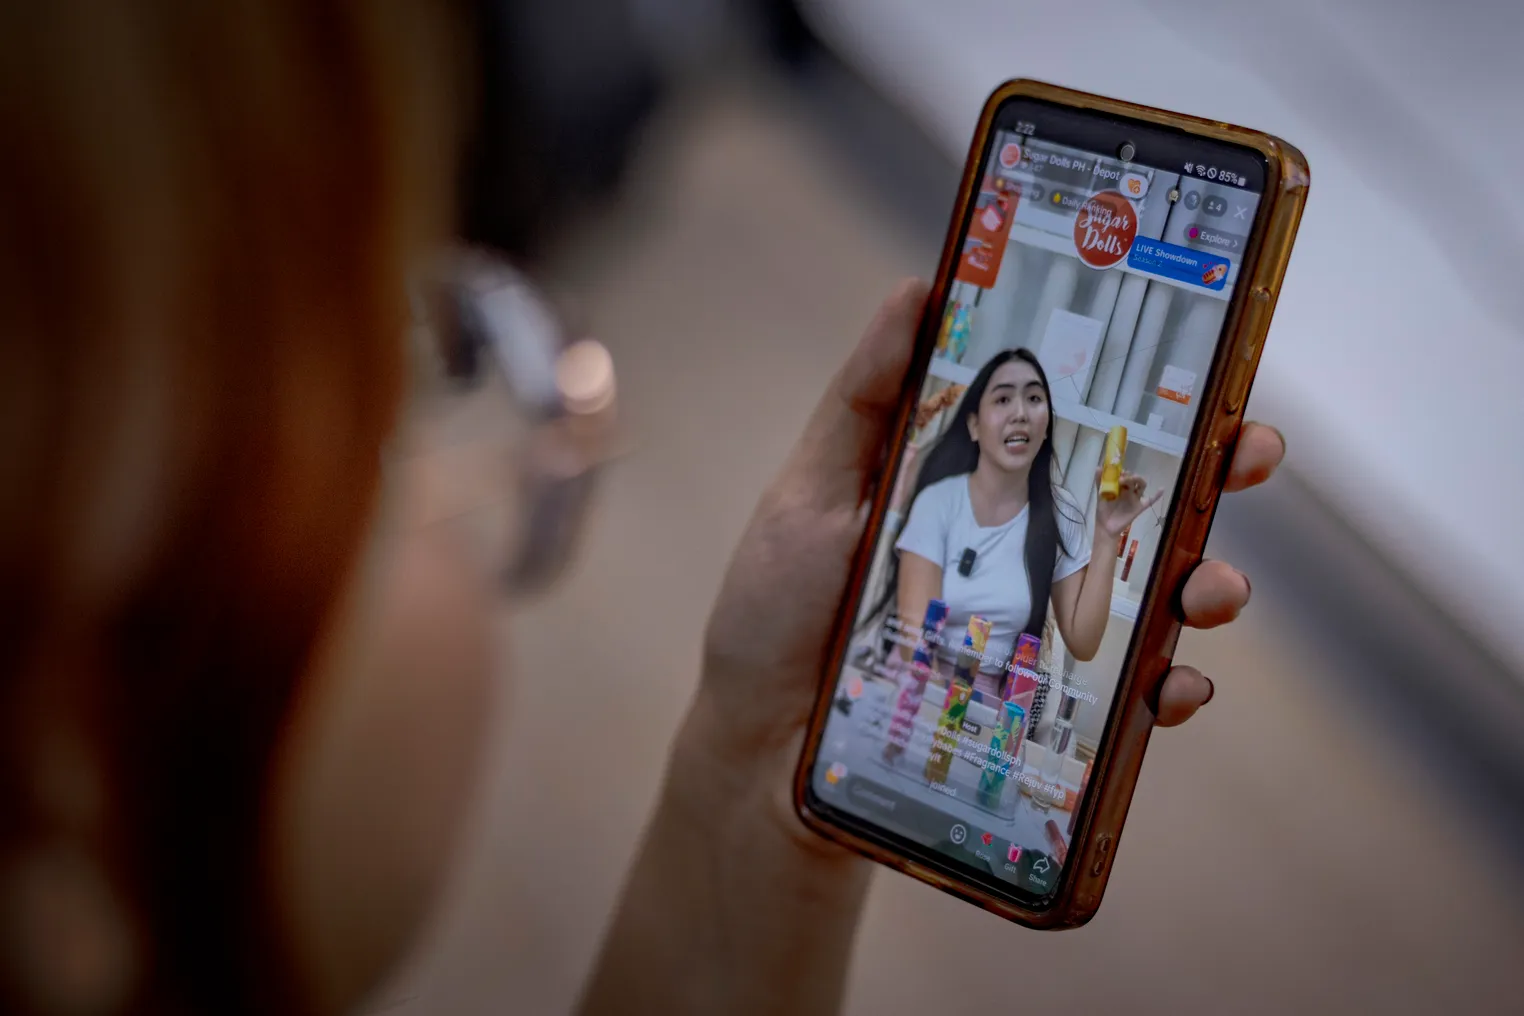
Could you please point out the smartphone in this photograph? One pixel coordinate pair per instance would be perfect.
(1090, 340)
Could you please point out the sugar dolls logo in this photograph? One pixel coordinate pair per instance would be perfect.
(1104, 229)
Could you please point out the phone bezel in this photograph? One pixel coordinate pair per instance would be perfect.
(1096, 125)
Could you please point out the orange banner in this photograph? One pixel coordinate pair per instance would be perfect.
(988, 233)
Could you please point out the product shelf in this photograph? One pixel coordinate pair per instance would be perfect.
(1075, 412)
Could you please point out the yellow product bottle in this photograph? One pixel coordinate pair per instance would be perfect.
(1111, 463)
(944, 333)
(944, 743)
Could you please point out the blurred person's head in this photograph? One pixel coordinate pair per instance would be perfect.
(238, 724)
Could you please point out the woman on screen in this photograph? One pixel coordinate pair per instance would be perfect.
(991, 531)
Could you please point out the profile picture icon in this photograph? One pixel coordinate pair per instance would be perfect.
(1010, 155)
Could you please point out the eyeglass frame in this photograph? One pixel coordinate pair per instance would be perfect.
(483, 315)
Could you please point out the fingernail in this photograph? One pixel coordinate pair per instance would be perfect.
(1211, 689)
(1248, 586)
(1279, 435)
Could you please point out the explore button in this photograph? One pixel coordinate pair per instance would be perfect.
(1217, 239)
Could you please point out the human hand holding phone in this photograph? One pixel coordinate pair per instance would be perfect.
(727, 856)
(813, 602)
(1116, 318)
(773, 619)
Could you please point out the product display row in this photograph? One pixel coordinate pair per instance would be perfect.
(959, 737)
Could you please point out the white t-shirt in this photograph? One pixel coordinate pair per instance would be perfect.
(941, 527)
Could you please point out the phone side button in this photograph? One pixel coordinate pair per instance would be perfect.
(1238, 379)
(1256, 323)
(1102, 856)
(1206, 476)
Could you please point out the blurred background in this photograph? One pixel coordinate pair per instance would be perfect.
(1340, 831)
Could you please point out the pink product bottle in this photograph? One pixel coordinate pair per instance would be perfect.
(1023, 668)
(912, 682)
(1021, 684)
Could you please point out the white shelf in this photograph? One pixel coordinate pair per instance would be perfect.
(1137, 433)
(1075, 412)
(1053, 243)
(947, 370)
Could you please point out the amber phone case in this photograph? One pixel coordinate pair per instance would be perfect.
(1119, 760)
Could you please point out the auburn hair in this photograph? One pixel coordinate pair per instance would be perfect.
(207, 212)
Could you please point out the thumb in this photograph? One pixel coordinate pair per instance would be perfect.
(845, 437)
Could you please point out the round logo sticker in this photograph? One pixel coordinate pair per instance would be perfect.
(1104, 229)
(1010, 155)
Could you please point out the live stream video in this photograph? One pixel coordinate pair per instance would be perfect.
(1042, 463)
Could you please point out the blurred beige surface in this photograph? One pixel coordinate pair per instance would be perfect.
(1281, 856)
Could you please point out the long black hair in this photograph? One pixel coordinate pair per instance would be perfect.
(956, 453)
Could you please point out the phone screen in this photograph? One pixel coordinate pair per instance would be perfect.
(1094, 274)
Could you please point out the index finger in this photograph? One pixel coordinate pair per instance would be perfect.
(1260, 449)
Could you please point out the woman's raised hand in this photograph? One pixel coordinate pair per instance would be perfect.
(1116, 515)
